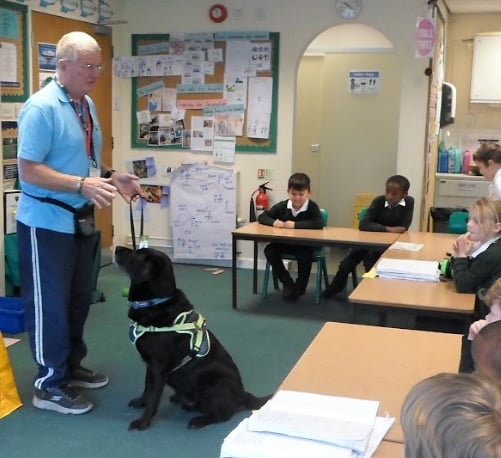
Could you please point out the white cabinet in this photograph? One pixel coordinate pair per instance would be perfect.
(459, 190)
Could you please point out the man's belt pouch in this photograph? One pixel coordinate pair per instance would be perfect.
(85, 224)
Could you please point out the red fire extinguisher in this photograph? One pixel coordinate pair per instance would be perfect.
(261, 202)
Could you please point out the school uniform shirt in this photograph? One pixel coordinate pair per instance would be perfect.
(495, 186)
(308, 217)
(380, 214)
(478, 271)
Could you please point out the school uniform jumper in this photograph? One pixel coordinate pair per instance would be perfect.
(311, 218)
(55, 266)
(471, 274)
(379, 215)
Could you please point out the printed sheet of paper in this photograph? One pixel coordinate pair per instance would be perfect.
(8, 62)
(260, 93)
(224, 149)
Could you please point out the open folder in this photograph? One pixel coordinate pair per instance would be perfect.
(305, 425)
(340, 421)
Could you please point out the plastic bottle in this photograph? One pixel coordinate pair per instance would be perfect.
(443, 159)
(451, 156)
(457, 160)
(454, 160)
(465, 168)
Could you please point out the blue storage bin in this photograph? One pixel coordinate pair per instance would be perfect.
(11, 315)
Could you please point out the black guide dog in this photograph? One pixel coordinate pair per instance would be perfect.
(178, 349)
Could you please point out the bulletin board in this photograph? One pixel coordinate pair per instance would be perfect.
(13, 52)
(143, 45)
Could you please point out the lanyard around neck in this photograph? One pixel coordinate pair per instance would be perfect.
(82, 110)
(83, 114)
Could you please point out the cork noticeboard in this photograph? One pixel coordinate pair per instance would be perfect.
(196, 99)
(13, 52)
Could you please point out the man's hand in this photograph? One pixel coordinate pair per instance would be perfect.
(127, 185)
(98, 190)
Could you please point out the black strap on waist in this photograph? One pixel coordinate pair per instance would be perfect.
(50, 200)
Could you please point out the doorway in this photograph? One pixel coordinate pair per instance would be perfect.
(356, 133)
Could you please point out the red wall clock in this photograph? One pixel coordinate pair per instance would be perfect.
(218, 13)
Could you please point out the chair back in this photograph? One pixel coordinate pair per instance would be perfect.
(325, 216)
(362, 213)
(457, 222)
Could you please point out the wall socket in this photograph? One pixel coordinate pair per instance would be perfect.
(315, 148)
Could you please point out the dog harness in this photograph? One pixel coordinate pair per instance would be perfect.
(190, 322)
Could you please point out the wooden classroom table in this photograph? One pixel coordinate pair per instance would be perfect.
(435, 246)
(374, 363)
(389, 450)
(328, 236)
(435, 297)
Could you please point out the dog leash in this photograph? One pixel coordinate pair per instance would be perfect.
(142, 240)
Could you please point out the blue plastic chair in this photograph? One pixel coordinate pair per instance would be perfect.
(457, 222)
(318, 257)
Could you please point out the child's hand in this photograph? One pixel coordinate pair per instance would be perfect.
(396, 229)
(475, 328)
(278, 223)
(289, 224)
(463, 246)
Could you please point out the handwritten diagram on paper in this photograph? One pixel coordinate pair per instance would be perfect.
(203, 210)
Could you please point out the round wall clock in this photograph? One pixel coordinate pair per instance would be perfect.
(218, 13)
(348, 9)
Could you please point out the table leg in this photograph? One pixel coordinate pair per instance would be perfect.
(254, 270)
(234, 272)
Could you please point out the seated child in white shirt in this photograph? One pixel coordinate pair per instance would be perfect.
(492, 298)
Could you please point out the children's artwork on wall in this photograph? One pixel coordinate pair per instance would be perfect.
(231, 77)
(142, 168)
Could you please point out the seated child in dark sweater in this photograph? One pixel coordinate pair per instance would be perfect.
(297, 212)
(476, 261)
(391, 212)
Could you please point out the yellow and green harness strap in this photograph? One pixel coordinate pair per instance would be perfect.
(190, 322)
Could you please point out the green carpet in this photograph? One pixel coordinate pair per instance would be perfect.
(265, 347)
(265, 338)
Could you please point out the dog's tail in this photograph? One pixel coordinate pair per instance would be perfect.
(252, 402)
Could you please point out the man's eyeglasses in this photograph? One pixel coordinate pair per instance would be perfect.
(90, 68)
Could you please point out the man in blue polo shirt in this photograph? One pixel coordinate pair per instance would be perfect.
(59, 155)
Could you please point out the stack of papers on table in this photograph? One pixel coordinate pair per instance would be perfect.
(300, 425)
(408, 269)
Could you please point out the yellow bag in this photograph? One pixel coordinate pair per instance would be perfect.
(9, 398)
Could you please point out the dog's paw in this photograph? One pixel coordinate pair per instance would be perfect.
(137, 403)
(199, 422)
(139, 425)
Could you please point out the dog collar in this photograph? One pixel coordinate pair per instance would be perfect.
(149, 303)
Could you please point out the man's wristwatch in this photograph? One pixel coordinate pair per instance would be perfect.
(80, 184)
(108, 173)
